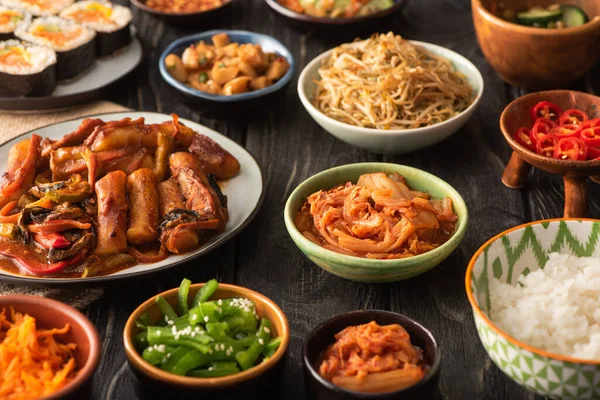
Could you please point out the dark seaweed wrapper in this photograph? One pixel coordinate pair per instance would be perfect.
(40, 84)
(73, 62)
(7, 36)
(109, 42)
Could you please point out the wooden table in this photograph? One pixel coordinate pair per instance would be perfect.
(290, 147)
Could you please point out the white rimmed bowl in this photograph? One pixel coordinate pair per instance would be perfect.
(393, 141)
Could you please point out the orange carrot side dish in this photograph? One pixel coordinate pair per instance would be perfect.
(373, 358)
(378, 217)
(33, 363)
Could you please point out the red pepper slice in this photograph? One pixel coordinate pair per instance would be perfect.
(591, 123)
(591, 136)
(542, 126)
(51, 240)
(565, 131)
(566, 149)
(573, 116)
(546, 109)
(523, 136)
(593, 152)
(545, 145)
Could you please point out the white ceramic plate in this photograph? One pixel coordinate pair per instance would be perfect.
(84, 87)
(244, 196)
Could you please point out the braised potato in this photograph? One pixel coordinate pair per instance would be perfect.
(220, 39)
(223, 74)
(176, 68)
(260, 83)
(237, 85)
(277, 68)
(228, 68)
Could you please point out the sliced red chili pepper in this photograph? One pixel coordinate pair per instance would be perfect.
(566, 149)
(565, 131)
(593, 152)
(51, 240)
(591, 136)
(546, 109)
(545, 145)
(573, 116)
(523, 136)
(542, 126)
(591, 123)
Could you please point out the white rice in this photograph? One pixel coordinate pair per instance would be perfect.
(40, 58)
(25, 33)
(48, 7)
(556, 309)
(11, 26)
(120, 16)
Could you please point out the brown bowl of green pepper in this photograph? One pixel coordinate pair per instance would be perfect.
(205, 337)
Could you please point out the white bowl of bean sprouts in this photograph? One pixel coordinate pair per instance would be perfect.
(390, 95)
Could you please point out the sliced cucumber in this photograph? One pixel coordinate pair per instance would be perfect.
(573, 15)
(380, 4)
(539, 17)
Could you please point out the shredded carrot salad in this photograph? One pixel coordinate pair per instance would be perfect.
(33, 363)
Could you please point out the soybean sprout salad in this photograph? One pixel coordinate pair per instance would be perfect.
(385, 82)
(207, 338)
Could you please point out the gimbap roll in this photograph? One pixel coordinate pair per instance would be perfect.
(26, 69)
(10, 19)
(39, 8)
(111, 23)
(73, 43)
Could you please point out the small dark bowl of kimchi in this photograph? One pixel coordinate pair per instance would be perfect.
(403, 359)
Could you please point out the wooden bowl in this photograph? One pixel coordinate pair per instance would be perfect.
(158, 381)
(575, 173)
(537, 58)
(50, 314)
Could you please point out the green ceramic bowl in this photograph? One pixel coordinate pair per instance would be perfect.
(368, 270)
(507, 256)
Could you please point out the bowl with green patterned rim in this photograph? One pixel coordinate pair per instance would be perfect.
(507, 256)
(375, 270)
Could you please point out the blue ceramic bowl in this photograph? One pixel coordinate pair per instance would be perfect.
(268, 44)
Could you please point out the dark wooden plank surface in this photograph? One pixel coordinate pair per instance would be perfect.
(290, 146)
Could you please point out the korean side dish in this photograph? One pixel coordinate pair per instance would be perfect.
(564, 135)
(225, 67)
(110, 195)
(386, 82)
(61, 43)
(206, 338)
(554, 308)
(337, 8)
(555, 16)
(185, 6)
(372, 358)
(378, 217)
(33, 363)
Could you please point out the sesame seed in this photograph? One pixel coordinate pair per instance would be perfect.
(210, 368)
(157, 333)
(220, 302)
(267, 330)
(261, 341)
(206, 319)
(194, 317)
(150, 349)
(170, 322)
